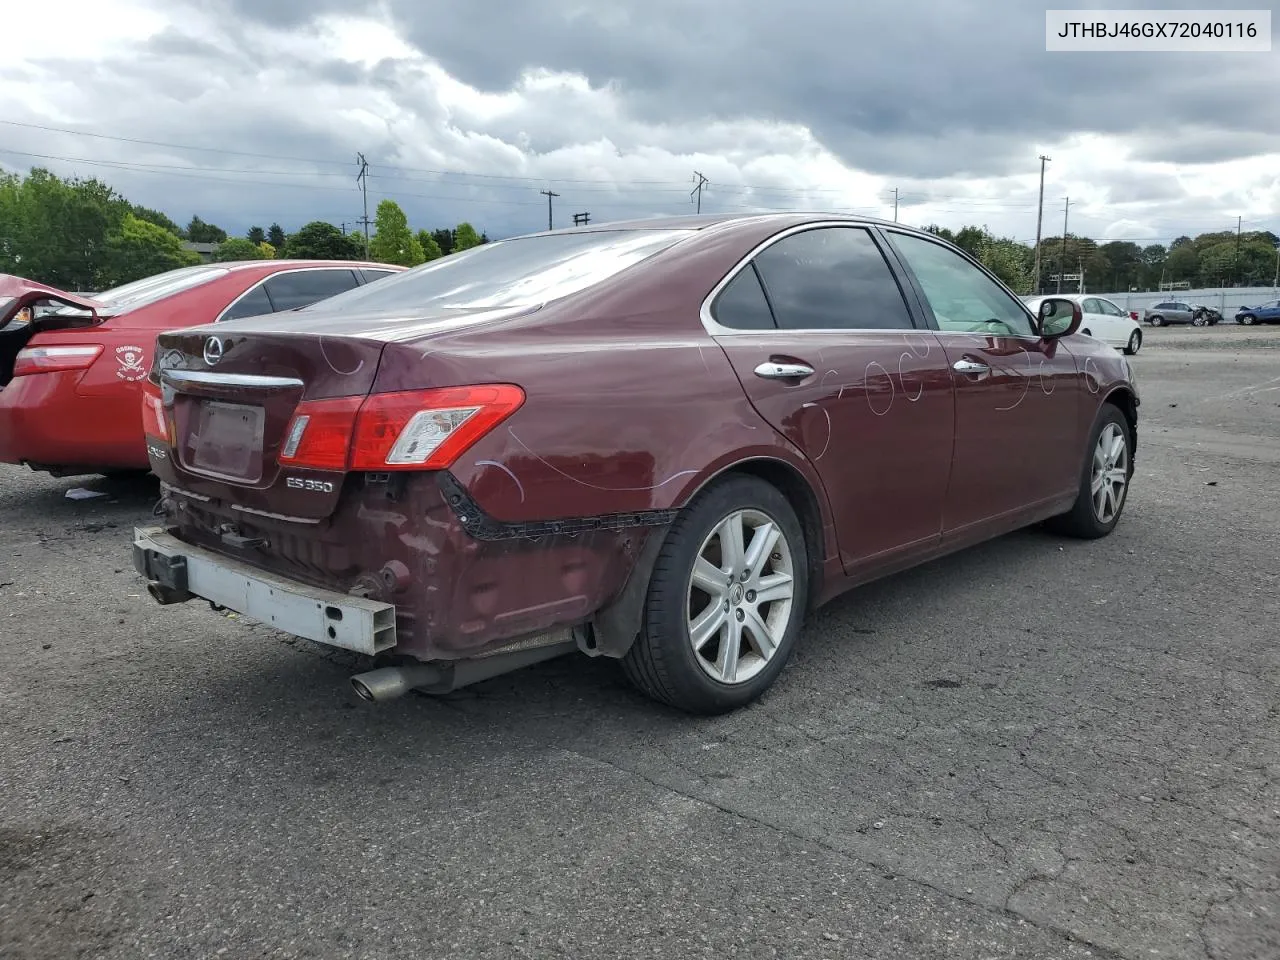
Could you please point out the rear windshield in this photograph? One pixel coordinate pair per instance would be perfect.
(139, 293)
(525, 271)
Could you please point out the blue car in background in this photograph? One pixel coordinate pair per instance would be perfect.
(1268, 312)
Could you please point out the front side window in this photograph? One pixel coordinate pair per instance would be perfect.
(832, 278)
(522, 272)
(962, 297)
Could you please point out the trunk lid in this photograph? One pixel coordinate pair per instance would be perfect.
(230, 392)
(28, 307)
(230, 398)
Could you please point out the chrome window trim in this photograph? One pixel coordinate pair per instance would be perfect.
(252, 380)
(716, 329)
(279, 273)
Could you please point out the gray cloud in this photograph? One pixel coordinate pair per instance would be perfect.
(929, 94)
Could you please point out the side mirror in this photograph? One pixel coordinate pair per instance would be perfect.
(1059, 317)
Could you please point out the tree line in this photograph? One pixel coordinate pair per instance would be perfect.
(1219, 259)
(79, 234)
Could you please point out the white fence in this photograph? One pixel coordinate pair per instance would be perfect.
(1226, 300)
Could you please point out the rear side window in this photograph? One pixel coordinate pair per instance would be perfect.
(741, 305)
(301, 288)
(371, 275)
(522, 272)
(832, 278)
(252, 304)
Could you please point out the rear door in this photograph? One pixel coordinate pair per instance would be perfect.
(821, 337)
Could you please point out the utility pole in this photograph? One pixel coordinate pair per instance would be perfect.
(1080, 267)
(549, 194)
(702, 182)
(581, 219)
(1236, 265)
(1062, 258)
(1040, 220)
(895, 204)
(362, 178)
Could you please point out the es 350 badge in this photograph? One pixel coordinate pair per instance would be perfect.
(132, 363)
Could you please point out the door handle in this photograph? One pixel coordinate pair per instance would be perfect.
(783, 371)
(965, 365)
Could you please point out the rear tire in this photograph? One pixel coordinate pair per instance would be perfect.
(703, 585)
(1104, 480)
(1134, 344)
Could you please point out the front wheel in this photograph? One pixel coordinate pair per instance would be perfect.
(726, 600)
(1134, 344)
(1199, 320)
(1104, 483)
(1157, 321)
(1248, 319)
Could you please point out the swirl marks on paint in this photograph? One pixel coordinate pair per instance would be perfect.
(507, 471)
(1047, 386)
(827, 443)
(1091, 378)
(594, 486)
(1026, 381)
(902, 378)
(870, 394)
(342, 373)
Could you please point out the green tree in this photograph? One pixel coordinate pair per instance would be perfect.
(275, 236)
(465, 237)
(444, 240)
(972, 239)
(237, 248)
(319, 240)
(430, 248)
(1008, 260)
(256, 235)
(56, 231)
(200, 232)
(394, 242)
(139, 249)
(1183, 263)
(266, 251)
(156, 217)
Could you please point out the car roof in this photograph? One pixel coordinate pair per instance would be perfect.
(250, 264)
(708, 221)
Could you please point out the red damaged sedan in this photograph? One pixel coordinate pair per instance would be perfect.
(662, 441)
(70, 366)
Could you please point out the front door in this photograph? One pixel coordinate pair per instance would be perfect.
(1018, 442)
(819, 333)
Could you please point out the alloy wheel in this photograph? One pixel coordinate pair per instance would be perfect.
(740, 596)
(1110, 472)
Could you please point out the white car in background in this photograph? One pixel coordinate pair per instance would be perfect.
(1102, 320)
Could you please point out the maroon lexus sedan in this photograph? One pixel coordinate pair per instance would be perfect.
(663, 441)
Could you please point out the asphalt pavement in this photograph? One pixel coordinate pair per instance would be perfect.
(1037, 748)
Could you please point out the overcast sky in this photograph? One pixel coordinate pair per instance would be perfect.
(466, 113)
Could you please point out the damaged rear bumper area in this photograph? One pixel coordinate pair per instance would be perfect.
(176, 572)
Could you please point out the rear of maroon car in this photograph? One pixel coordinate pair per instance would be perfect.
(304, 464)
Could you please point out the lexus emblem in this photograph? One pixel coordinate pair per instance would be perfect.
(212, 351)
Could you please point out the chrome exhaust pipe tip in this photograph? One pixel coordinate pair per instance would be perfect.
(390, 683)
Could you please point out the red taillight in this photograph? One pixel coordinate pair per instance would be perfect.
(52, 359)
(411, 430)
(319, 435)
(154, 423)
